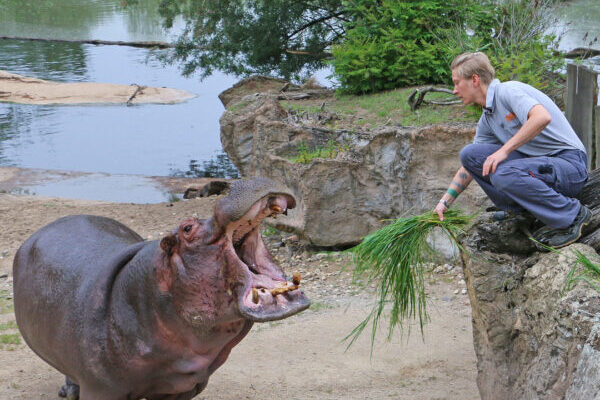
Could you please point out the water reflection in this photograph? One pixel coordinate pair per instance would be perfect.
(56, 61)
(81, 19)
(218, 167)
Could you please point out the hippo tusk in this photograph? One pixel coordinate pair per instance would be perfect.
(283, 289)
(254, 295)
(287, 288)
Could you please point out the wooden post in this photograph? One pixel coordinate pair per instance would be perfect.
(582, 97)
(597, 129)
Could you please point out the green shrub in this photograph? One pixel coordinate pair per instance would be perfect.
(393, 43)
(396, 43)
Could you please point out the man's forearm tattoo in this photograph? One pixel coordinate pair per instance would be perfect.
(458, 185)
(463, 175)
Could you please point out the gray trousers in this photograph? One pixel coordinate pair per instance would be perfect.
(544, 186)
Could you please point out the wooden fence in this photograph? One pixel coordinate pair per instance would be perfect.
(583, 111)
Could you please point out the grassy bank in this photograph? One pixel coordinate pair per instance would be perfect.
(371, 111)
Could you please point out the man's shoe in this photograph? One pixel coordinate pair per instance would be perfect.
(558, 238)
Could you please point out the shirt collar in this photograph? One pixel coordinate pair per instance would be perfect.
(489, 98)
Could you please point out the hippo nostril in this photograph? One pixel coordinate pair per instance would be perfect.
(187, 228)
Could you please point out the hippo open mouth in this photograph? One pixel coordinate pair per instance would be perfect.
(262, 290)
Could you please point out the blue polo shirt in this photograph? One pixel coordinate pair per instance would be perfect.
(506, 109)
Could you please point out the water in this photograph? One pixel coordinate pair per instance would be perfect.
(103, 187)
(581, 21)
(147, 139)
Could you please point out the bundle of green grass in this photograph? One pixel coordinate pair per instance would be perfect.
(393, 259)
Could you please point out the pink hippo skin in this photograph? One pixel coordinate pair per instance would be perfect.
(127, 319)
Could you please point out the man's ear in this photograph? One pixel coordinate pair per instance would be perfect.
(476, 80)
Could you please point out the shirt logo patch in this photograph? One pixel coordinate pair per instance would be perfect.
(510, 116)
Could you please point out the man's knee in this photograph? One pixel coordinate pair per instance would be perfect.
(469, 155)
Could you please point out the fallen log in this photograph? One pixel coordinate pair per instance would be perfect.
(148, 44)
(415, 101)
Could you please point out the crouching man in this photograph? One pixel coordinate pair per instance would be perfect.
(525, 155)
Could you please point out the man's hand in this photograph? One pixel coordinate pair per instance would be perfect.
(440, 209)
(492, 162)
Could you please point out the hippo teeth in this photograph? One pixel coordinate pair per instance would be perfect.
(276, 209)
(284, 288)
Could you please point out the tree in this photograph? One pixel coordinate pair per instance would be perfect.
(288, 38)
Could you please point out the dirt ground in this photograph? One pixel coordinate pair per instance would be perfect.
(302, 357)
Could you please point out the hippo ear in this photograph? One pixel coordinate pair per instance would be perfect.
(168, 243)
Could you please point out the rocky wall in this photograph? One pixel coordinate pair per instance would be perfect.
(377, 175)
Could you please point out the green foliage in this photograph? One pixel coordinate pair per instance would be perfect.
(283, 37)
(393, 258)
(8, 325)
(393, 43)
(10, 338)
(590, 274)
(306, 154)
(269, 231)
(319, 305)
(6, 302)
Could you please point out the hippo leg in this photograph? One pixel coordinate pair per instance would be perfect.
(70, 390)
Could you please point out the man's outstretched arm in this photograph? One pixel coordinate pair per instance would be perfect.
(459, 183)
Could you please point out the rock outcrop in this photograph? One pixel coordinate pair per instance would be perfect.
(374, 175)
(533, 338)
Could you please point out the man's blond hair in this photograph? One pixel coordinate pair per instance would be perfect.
(469, 64)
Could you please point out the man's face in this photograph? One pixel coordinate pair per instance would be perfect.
(464, 88)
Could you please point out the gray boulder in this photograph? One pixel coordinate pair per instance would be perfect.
(533, 338)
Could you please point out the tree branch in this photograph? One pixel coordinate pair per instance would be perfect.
(323, 54)
(313, 22)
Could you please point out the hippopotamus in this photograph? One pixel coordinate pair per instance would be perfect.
(127, 319)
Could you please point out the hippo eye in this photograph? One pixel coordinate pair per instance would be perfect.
(187, 228)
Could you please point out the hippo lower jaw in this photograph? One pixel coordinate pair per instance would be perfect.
(260, 296)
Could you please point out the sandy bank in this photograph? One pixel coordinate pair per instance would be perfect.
(25, 90)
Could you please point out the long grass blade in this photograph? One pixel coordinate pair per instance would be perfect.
(392, 258)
